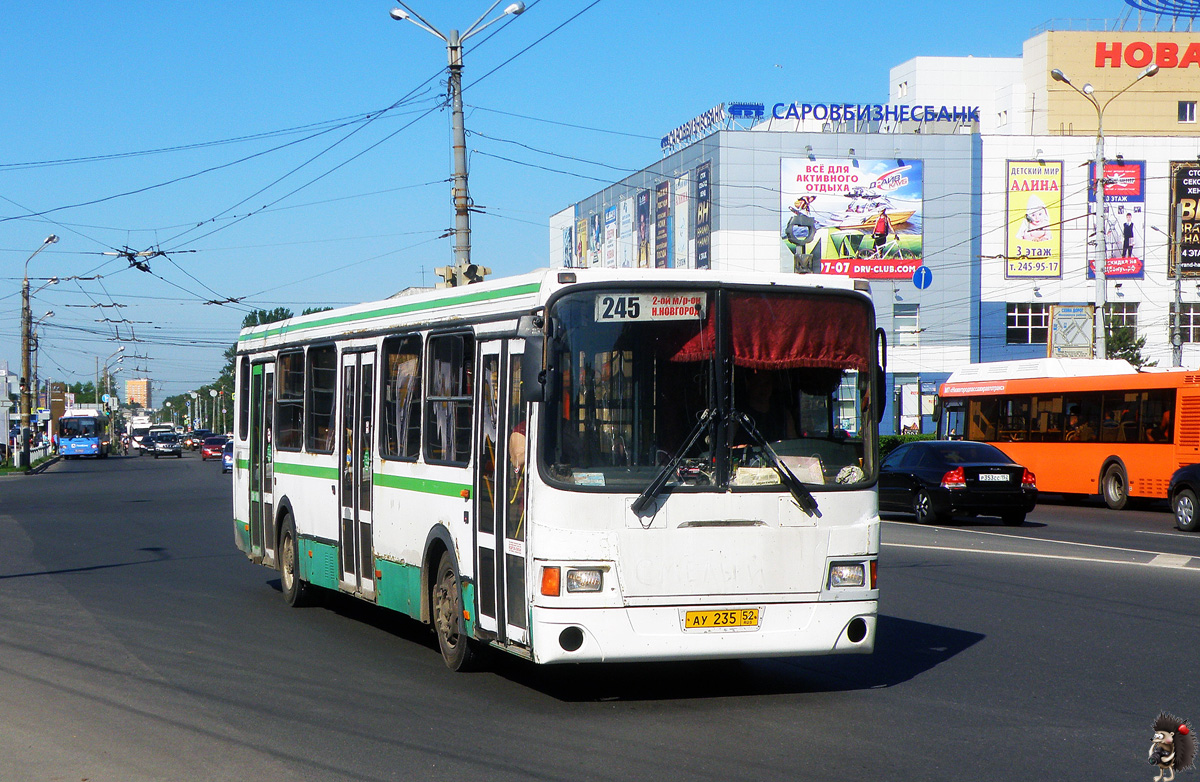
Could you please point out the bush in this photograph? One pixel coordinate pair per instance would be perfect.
(889, 442)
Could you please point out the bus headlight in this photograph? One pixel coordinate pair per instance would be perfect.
(590, 580)
(846, 575)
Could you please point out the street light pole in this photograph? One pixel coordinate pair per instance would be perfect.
(458, 140)
(1101, 350)
(26, 328)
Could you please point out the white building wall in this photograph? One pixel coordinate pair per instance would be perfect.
(960, 81)
(1153, 294)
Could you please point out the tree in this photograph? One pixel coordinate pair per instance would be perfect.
(1121, 343)
(255, 318)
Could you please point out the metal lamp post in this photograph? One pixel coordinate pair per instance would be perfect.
(26, 327)
(454, 42)
(1102, 261)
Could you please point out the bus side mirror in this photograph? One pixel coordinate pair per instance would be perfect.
(535, 380)
(880, 373)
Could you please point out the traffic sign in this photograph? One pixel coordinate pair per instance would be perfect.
(922, 277)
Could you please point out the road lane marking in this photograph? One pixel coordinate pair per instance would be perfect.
(1008, 536)
(1183, 565)
(1191, 535)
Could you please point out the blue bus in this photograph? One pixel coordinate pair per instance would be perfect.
(83, 433)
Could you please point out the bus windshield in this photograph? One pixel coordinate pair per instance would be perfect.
(709, 379)
(77, 427)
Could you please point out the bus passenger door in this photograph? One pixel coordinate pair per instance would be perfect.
(262, 473)
(500, 493)
(356, 460)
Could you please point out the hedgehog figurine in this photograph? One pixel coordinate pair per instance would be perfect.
(1173, 748)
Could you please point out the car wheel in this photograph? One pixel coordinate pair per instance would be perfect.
(1114, 487)
(447, 612)
(295, 591)
(923, 508)
(1013, 518)
(1184, 506)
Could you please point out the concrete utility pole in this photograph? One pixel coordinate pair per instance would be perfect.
(463, 271)
(26, 328)
(1088, 91)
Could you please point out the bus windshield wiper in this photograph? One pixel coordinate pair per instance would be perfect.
(669, 468)
(800, 493)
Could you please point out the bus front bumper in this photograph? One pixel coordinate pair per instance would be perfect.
(573, 635)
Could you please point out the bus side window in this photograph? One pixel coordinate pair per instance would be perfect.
(981, 419)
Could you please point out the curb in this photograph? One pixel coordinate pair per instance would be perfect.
(44, 466)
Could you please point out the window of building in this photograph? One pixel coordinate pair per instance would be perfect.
(1027, 324)
(902, 89)
(448, 398)
(1122, 315)
(905, 324)
(1187, 111)
(289, 401)
(1189, 322)
(401, 402)
(321, 392)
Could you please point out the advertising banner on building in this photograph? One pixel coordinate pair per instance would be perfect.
(596, 241)
(625, 234)
(852, 216)
(703, 216)
(610, 237)
(1033, 213)
(581, 243)
(662, 228)
(679, 211)
(568, 247)
(643, 229)
(1124, 219)
(1184, 259)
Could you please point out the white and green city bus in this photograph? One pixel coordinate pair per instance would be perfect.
(577, 465)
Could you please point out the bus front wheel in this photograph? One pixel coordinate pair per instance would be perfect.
(448, 617)
(1114, 487)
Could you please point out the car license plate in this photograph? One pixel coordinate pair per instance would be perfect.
(998, 477)
(721, 620)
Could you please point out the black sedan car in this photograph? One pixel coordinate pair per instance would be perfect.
(1182, 491)
(166, 444)
(935, 479)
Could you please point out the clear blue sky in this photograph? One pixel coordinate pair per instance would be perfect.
(233, 135)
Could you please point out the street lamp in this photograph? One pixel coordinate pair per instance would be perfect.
(1102, 261)
(454, 42)
(25, 348)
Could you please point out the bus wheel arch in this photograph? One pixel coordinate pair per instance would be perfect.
(438, 541)
(1114, 483)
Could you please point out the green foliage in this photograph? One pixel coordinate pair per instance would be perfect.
(1120, 343)
(313, 310)
(890, 442)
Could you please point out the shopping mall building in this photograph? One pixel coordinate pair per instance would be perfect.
(984, 167)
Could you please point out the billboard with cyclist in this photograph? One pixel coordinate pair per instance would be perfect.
(852, 216)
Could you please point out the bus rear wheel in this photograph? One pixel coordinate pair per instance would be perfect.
(447, 611)
(1114, 487)
(295, 591)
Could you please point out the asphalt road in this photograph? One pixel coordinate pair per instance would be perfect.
(137, 643)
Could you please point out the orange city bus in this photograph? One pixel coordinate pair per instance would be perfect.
(1082, 426)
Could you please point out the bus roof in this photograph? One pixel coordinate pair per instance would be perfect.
(500, 298)
(1059, 374)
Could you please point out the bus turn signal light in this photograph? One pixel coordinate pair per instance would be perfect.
(551, 581)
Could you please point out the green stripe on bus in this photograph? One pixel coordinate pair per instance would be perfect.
(243, 464)
(423, 485)
(398, 309)
(307, 470)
